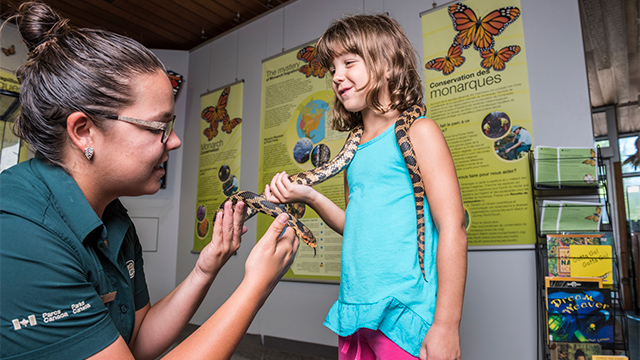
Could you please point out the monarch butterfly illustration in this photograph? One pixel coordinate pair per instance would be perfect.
(228, 126)
(11, 50)
(596, 215)
(480, 32)
(211, 132)
(448, 63)
(215, 114)
(307, 53)
(592, 160)
(497, 59)
(313, 67)
(176, 81)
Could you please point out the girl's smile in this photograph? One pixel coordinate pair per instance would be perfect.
(350, 81)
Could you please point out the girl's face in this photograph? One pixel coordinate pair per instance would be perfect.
(350, 81)
(132, 155)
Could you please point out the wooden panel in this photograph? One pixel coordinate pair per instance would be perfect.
(161, 24)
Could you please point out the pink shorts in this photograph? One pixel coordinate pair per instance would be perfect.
(367, 344)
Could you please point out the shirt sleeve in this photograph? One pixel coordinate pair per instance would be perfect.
(49, 307)
(141, 292)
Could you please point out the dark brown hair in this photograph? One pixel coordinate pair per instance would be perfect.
(382, 43)
(71, 69)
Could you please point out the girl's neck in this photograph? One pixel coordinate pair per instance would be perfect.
(375, 124)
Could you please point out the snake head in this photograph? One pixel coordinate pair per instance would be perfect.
(303, 233)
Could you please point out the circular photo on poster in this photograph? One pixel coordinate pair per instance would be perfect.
(515, 145)
(224, 172)
(202, 228)
(320, 155)
(201, 212)
(296, 210)
(302, 150)
(495, 125)
(230, 186)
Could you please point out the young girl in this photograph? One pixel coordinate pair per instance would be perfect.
(386, 309)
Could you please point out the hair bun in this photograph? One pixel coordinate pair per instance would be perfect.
(38, 23)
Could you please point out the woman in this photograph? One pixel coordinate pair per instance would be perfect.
(97, 108)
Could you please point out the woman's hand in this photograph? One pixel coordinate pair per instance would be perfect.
(227, 231)
(272, 256)
(283, 191)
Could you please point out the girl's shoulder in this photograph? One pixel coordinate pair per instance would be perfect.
(424, 126)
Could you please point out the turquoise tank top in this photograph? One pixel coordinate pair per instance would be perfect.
(381, 284)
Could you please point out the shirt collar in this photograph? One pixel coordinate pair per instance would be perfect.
(69, 200)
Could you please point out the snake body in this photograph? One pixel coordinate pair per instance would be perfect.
(258, 203)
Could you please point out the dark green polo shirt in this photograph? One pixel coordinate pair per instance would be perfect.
(64, 293)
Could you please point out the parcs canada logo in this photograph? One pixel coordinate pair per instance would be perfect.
(131, 266)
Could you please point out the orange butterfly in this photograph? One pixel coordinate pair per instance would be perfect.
(497, 59)
(592, 160)
(176, 81)
(480, 32)
(215, 114)
(307, 53)
(313, 68)
(11, 50)
(229, 125)
(448, 63)
(596, 216)
(211, 132)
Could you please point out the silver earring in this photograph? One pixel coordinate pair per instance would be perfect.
(88, 152)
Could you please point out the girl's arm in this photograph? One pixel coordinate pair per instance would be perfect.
(445, 201)
(283, 191)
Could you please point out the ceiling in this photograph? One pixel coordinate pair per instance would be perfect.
(610, 30)
(159, 24)
(611, 38)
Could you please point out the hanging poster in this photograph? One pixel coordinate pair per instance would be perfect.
(296, 136)
(477, 91)
(219, 163)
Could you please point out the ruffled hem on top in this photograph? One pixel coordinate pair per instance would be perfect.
(397, 321)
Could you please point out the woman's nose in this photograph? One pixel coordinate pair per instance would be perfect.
(173, 142)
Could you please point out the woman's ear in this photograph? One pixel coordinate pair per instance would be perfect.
(81, 130)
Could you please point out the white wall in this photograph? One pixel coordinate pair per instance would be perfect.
(10, 36)
(499, 318)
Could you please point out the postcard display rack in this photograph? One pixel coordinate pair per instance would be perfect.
(579, 303)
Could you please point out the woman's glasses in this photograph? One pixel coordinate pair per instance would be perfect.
(165, 127)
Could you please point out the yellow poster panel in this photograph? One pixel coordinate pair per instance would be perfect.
(477, 90)
(220, 150)
(296, 136)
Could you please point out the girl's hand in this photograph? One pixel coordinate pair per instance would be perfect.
(227, 231)
(272, 256)
(440, 344)
(283, 191)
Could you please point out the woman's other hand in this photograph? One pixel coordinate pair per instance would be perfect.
(272, 256)
(227, 231)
